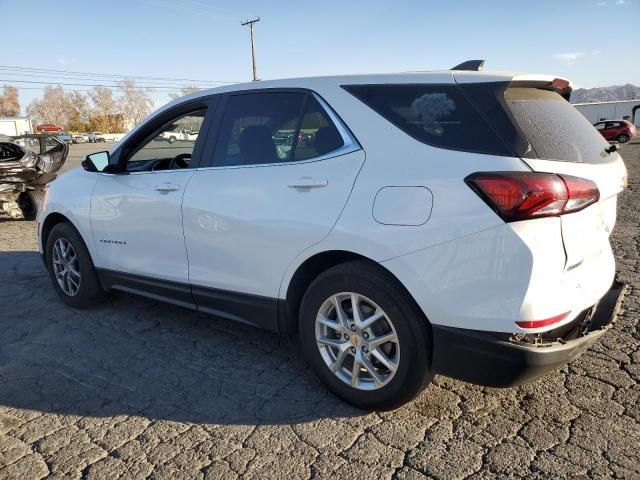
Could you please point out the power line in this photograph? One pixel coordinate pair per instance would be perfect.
(56, 78)
(91, 84)
(108, 75)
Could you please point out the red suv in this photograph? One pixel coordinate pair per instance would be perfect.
(619, 130)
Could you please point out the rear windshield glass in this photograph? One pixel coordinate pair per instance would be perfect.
(438, 115)
(554, 128)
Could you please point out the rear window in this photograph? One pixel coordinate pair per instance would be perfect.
(553, 127)
(438, 115)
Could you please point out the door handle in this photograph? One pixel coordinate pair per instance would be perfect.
(308, 182)
(167, 187)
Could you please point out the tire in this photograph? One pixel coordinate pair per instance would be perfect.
(623, 138)
(34, 200)
(89, 291)
(376, 290)
(172, 139)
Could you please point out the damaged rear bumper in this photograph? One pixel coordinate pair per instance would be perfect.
(503, 360)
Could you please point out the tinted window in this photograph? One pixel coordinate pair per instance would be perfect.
(600, 126)
(613, 125)
(439, 115)
(554, 128)
(258, 128)
(317, 135)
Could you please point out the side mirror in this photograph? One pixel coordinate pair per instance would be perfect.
(96, 162)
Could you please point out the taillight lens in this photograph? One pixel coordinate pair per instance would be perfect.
(524, 195)
(526, 324)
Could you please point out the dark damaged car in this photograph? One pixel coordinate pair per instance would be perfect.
(27, 164)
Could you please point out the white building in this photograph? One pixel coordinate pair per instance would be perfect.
(616, 110)
(15, 126)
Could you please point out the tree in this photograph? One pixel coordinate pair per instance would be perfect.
(103, 110)
(51, 108)
(77, 109)
(135, 102)
(184, 91)
(9, 102)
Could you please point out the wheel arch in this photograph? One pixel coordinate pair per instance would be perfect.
(306, 272)
(53, 219)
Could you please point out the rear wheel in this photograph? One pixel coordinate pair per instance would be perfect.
(172, 139)
(623, 138)
(71, 269)
(364, 336)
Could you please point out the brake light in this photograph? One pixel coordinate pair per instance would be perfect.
(542, 323)
(524, 195)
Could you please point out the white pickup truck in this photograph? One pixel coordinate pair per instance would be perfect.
(104, 137)
(183, 134)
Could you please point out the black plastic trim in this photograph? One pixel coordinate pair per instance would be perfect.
(254, 310)
(496, 360)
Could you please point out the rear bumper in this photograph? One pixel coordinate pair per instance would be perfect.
(504, 360)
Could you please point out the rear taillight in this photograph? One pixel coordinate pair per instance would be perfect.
(527, 324)
(523, 195)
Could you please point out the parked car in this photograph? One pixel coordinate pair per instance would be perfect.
(65, 137)
(48, 128)
(616, 130)
(96, 137)
(79, 138)
(27, 164)
(183, 134)
(437, 223)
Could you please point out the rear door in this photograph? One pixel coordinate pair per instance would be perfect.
(281, 170)
(561, 140)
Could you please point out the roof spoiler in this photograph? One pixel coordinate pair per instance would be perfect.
(470, 65)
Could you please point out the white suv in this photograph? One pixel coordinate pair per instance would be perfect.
(405, 225)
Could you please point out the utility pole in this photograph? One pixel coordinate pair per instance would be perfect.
(253, 47)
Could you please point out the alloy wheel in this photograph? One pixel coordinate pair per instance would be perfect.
(66, 267)
(357, 341)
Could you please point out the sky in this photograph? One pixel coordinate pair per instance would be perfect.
(591, 42)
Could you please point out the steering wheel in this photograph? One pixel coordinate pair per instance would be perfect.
(180, 161)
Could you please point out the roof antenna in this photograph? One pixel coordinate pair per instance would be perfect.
(470, 65)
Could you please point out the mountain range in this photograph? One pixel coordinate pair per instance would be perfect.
(605, 94)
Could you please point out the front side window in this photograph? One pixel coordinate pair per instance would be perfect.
(171, 146)
(274, 127)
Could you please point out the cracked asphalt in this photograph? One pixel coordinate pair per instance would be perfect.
(139, 389)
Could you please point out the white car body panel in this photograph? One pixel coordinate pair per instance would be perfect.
(70, 196)
(129, 208)
(254, 210)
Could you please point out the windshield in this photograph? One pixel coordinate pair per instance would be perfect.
(553, 127)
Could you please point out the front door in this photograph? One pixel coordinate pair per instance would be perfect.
(136, 215)
(282, 169)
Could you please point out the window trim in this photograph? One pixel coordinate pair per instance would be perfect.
(150, 127)
(350, 143)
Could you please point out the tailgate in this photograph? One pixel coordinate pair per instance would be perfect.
(562, 141)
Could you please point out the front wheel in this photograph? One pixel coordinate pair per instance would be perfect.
(365, 337)
(623, 138)
(70, 268)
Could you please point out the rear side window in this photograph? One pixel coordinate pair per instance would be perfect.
(438, 115)
(318, 135)
(274, 127)
(554, 128)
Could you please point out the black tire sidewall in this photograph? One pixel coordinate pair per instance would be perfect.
(623, 138)
(411, 326)
(91, 290)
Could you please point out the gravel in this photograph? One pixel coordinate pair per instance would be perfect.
(139, 389)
